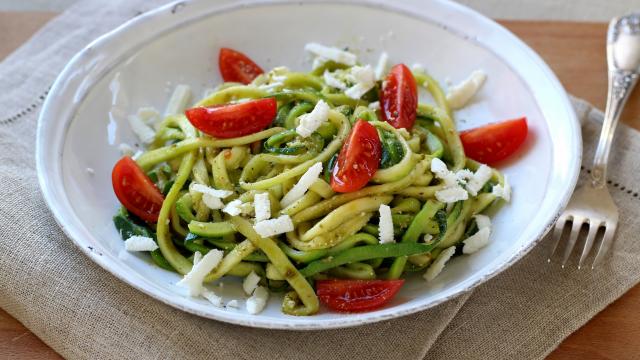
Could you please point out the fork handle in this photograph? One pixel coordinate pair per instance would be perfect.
(621, 83)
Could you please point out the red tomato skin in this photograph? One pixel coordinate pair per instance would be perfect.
(135, 190)
(233, 120)
(399, 98)
(358, 160)
(237, 67)
(495, 142)
(357, 295)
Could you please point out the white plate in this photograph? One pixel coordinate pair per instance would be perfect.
(84, 119)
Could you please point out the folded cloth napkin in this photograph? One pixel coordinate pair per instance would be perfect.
(83, 312)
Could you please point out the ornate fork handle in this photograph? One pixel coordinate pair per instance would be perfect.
(622, 79)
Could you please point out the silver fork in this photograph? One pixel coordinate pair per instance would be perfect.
(592, 204)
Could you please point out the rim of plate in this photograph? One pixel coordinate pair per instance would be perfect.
(79, 76)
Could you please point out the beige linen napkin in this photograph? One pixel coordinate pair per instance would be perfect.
(83, 312)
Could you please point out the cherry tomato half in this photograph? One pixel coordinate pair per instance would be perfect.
(399, 98)
(492, 143)
(237, 67)
(358, 160)
(357, 295)
(135, 190)
(233, 120)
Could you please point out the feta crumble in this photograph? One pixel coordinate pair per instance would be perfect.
(257, 302)
(90, 171)
(233, 304)
(381, 67)
(311, 122)
(333, 81)
(210, 196)
(331, 53)
(140, 243)
(280, 225)
(427, 238)
(480, 239)
(179, 100)
(197, 256)
(385, 228)
(250, 283)
(364, 79)
(262, 206)
(233, 208)
(479, 178)
(193, 280)
(502, 191)
(452, 194)
(438, 264)
(374, 105)
(142, 130)
(212, 297)
(301, 187)
(452, 191)
(459, 95)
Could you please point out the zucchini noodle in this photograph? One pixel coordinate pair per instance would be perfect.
(335, 235)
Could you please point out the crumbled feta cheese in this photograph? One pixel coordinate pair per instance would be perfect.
(212, 202)
(140, 243)
(211, 197)
(427, 238)
(179, 100)
(452, 194)
(374, 105)
(318, 62)
(483, 221)
(311, 122)
(364, 79)
(331, 53)
(438, 167)
(126, 149)
(502, 191)
(479, 178)
(463, 175)
(333, 81)
(233, 304)
(257, 302)
(193, 280)
(197, 256)
(452, 190)
(459, 95)
(385, 226)
(301, 187)
(381, 67)
(438, 264)
(476, 241)
(142, 130)
(262, 206)
(250, 283)
(212, 297)
(440, 170)
(149, 115)
(90, 171)
(233, 208)
(280, 225)
(480, 239)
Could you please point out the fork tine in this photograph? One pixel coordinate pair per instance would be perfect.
(607, 240)
(557, 234)
(573, 236)
(588, 244)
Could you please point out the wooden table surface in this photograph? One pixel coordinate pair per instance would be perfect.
(575, 51)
